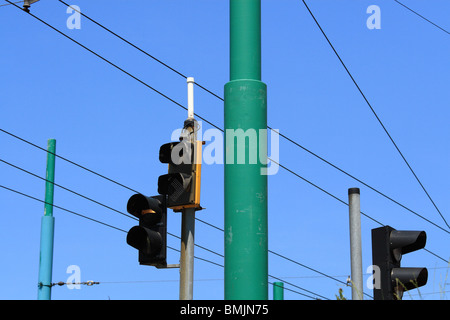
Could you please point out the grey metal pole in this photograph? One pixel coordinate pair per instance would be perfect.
(188, 220)
(355, 243)
(187, 254)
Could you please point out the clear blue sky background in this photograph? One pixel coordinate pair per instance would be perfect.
(110, 123)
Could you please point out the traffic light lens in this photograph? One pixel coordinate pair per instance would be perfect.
(145, 240)
(174, 184)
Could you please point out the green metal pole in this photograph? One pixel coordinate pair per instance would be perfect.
(246, 260)
(47, 228)
(278, 291)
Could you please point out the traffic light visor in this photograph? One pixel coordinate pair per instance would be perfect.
(139, 206)
(409, 278)
(408, 241)
(176, 152)
(174, 184)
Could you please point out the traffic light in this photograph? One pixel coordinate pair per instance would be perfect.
(388, 246)
(150, 236)
(182, 183)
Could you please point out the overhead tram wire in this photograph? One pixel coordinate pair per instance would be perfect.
(119, 229)
(94, 201)
(7, 4)
(197, 245)
(343, 202)
(112, 64)
(67, 160)
(136, 47)
(282, 166)
(61, 208)
(375, 114)
(421, 16)
(207, 223)
(220, 98)
(67, 189)
(89, 218)
(180, 105)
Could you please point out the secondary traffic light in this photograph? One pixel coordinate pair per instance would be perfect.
(151, 234)
(182, 183)
(388, 246)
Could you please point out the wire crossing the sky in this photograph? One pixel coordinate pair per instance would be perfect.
(282, 135)
(129, 75)
(180, 105)
(119, 229)
(108, 207)
(418, 14)
(373, 111)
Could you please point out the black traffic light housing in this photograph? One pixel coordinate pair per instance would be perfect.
(182, 182)
(388, 246)
(150, 237)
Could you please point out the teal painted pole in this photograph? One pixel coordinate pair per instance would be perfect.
(278, 291)
(246, 258)
(47, 228)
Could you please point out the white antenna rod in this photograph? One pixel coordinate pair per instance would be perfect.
(190, 82)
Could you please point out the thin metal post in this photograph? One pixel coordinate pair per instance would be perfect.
(355, 243)
(188, 222)
(278, 291)
(47, 228)
(190, 84)
(187, 254)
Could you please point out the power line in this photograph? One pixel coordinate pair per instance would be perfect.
(91, 219)
(282, 166)
(61, 208)
(104, 59)
(287, 282)
(67, 160)
(282, 135)
(141, 50)
(127, 74)
(7, 4)
(211, 225)
(113, 64)
(173, 235)
(204, 248)
(373, 111)
(113, 227)
(64, 188)
(356, 179)
(95, 201)
(342, 201)
(418, 14)
(178, 105)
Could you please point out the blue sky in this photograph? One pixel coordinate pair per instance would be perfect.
(110, 123)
